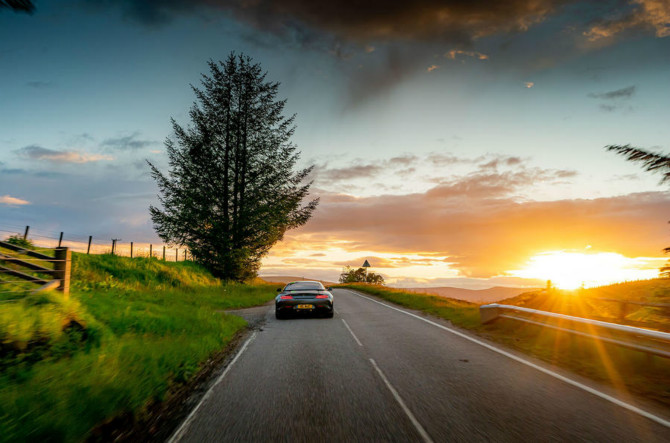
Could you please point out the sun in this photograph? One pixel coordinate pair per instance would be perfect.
(571, 270)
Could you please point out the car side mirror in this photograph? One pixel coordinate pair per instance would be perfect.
(278, 289)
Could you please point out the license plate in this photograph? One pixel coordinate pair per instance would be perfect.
(305, 307)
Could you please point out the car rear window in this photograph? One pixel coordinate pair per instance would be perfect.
(303, 285)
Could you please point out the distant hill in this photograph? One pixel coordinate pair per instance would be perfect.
(601, 303)
(490, 295)
(283, 279)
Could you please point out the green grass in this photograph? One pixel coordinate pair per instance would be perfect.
(130, 330)
(460, 313)
(624, 369)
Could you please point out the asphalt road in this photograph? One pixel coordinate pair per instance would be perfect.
(373, 373)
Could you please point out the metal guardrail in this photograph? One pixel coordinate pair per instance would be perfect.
(640, 339)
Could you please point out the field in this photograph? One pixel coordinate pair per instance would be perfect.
(131, 330)
(624, 369)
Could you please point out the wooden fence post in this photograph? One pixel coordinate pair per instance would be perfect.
(163, 253)
(176, 255)
(88, 250)
(131, 249)
(62, 269)
(151, 250)
(184, 254)
(113, 245)
(25, 234)
(60, 239)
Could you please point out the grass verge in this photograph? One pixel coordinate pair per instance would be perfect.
(131, 330)
(624, 369)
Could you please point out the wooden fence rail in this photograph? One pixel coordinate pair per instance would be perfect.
(59, 272)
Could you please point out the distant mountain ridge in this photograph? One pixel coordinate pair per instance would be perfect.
(489, 295)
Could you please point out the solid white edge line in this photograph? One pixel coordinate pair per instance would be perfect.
(179, 433)
(569, 381)
(402, 404)
(352, 332)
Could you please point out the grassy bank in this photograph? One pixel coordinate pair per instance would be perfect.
(130, 330)
(622, 368)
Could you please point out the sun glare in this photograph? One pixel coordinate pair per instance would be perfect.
(571, 270)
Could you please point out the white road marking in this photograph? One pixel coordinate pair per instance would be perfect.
(402, 404)
(352, 333)
(569, 381)
(179, 433)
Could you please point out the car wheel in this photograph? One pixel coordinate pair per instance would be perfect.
(330, 314)
(279, 315)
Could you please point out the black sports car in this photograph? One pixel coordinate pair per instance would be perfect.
(304, 297)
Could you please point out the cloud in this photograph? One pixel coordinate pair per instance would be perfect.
(39, 85)
(650, 15)
(127, 143)
(456, 52)
(484, 236)
(358, 171)
(348, 173)
(448, 20)
(623, 93)
(529, 85)
(431, 68)
(12, 201)
(34, 152)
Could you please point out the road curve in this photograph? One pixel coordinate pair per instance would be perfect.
(373, 373)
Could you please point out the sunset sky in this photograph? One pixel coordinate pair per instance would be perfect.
(456, 143)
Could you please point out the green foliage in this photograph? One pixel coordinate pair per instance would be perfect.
(18, 240)
(360, 275)
(459, 312)
(652, 162)
(232, 191)
(130, 330)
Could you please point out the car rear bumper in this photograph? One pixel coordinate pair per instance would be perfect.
(296, 306)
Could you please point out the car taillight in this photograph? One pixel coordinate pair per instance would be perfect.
(286, 297)
(321, 296)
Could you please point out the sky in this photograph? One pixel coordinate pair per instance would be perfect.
(455, 143)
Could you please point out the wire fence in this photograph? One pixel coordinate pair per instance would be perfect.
(43, 239)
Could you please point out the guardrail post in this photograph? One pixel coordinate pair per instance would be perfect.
(623, 310)
(62, 266)
(488, 313)
(25, 234)
(60, 240)
(88, 250)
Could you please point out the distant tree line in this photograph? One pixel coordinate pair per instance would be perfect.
(360, 275)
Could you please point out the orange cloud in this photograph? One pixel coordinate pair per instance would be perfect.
(482, 235)
(12, 201)
(651, 14)
(456, 52)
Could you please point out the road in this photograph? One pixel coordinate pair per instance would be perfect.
(375, 373)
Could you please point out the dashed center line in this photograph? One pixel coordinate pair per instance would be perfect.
(352, 332)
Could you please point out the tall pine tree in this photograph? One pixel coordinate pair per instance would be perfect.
(232, 189)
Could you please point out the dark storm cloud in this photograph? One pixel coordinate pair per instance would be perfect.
(447, 20)
(623, 93)
(127, 143)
